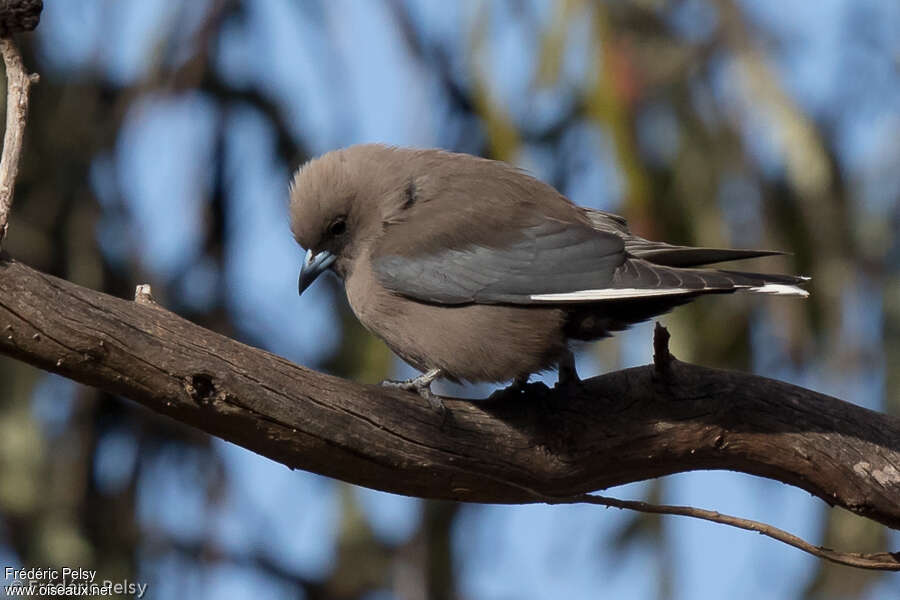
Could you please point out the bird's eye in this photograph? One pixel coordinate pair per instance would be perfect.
(338, 227)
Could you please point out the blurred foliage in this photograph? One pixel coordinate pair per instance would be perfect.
(704, 142)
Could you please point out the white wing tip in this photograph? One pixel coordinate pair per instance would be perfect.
(779, 289)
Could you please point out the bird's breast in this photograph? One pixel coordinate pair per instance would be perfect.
(472, 342)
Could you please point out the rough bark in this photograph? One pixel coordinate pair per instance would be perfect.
(621, 427)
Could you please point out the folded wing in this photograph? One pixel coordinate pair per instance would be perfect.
(556, 262)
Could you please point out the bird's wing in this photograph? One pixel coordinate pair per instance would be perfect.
(552, 262)
(546, 258)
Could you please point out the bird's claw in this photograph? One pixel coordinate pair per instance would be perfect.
(434, 401)
(422, 386)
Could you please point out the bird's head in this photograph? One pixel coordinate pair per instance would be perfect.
(340, 201)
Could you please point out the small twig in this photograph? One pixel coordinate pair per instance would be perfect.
(880, 561)
(143, 294)
(18, 83)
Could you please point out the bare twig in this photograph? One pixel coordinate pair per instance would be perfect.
(880, 561)
(18, 82)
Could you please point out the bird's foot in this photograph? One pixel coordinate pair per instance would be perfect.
(568, 377)
(422, 386)
(517, 389)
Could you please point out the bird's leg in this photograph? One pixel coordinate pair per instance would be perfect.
(513, 390)
(421, 385)
(519, 384)
(568, 376)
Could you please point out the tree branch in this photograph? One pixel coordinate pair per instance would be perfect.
(620, 427)
(18, 82)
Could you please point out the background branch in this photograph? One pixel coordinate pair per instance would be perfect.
(18, 82)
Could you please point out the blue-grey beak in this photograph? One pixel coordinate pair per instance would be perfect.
(313, 266)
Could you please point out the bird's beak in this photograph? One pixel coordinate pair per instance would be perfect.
(313, 266)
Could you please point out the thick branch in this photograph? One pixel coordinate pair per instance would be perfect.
(624, 426)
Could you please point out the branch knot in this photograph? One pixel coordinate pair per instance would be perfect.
(662, 358)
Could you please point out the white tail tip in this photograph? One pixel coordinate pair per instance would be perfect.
(779, 289)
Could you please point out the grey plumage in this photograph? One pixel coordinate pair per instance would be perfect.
(472, 270)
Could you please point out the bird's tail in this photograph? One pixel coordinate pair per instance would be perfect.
(643, 290)
(646, 275)
(764, 283)
(663, 257)
(640, 279)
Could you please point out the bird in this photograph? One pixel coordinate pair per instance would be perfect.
(472, 270)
